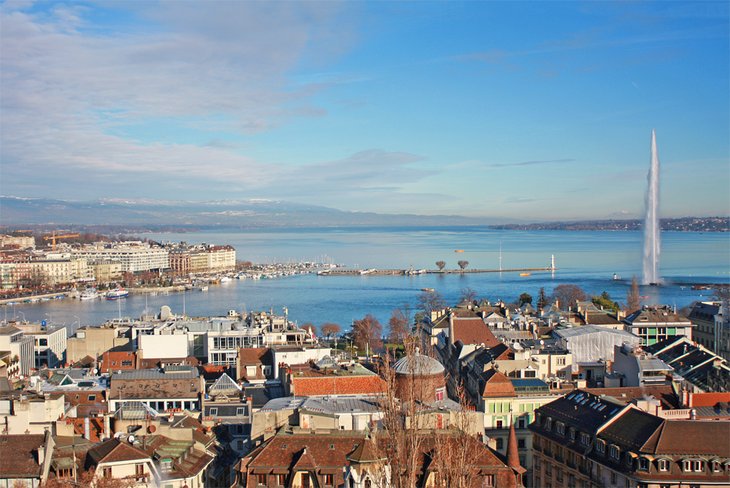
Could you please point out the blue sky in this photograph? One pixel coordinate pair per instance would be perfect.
(531, 111)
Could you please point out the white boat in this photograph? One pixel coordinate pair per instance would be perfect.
(225, 279)
(116, 294)
(89, 294)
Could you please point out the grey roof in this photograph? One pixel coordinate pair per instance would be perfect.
(592, 329)
(418, 364)
(341, 404)
(653, 364)
(155, 374)
(283, 403)
(9, 330)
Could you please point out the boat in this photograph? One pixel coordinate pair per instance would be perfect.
(225, 279)
(116, 294)
(524, 274)
(428, 290)
(89, 294)
(458, 250)
(616, 277)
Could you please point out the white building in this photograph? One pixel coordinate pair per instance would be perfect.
(49, 344)
(18, 345)
(134, 256)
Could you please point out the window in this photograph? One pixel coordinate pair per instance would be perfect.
(488, 480)
(281, 479)
(240, 411)
(571, 434)
(500, 424)
(499, 443)
(613, 477)
(261, 479)
(520, 443)
(560, 427)
(643, 464)
(716, 467)
(692, 465)
(663, 465)
(305, 480)
(106, 473)
(585, 439)
(615, 452)
(213, 411)
(548, 423)
(601, 447)
(329, 480)
(139, 472)
(92, 398)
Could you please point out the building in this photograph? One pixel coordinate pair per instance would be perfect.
(172, 389)
(94, 341)
(712, 327)
(590, 343)
(698, 368)
(585, 440)
(419, 378)
(29, 412)
(639, 368)
(511, 403)
(25, 460)
(134, 256)
(49, 344)
(107, 271)
(352, 460)
(202, 258)
(655, 324)
(17, 242)
(321, 380)
(21, 349)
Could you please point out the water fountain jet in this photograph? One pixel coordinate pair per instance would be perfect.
(651, 221)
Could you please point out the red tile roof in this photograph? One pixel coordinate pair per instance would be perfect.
(708, 399)
(337, 385)
(113, 451)
(18, 456)
(473, 330)
(497, 385)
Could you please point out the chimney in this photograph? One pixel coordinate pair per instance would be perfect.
(451, 327)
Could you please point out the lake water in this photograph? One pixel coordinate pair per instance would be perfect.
(588, 259)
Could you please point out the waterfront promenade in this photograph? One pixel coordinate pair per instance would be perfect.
(407, 272)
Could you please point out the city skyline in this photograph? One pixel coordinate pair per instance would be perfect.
(513, 110)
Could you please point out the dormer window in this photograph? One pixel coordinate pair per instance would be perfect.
(643, 464)
(571, 433)
(614, 452)
(663, 465)
(585, 439)
(693, 465)
(560, 427)
(601, 446)
(549, 423)
(716, 467)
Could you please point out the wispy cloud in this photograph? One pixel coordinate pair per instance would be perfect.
(532, 163)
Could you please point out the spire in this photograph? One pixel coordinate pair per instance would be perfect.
(513, 457)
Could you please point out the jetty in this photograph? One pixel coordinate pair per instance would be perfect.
(411, 272)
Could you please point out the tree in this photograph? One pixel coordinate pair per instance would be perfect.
(329, 329)
(567, 295)
(463, 264)
(310, 328)
(428, 301)
(524, 298)
(604, 301)
(367, 333)
(441, 265)
(633, 300)
(398, 325)
(541, 299)
(468, 295)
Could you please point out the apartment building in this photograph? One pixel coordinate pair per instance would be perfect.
(134, 256)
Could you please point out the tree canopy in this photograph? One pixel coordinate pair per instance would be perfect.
(367, 333)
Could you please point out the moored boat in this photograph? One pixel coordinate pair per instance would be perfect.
(116, 294)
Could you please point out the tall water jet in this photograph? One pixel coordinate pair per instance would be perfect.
(651, 221)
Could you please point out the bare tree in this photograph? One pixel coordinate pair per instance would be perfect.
(468, 295)
(441, 265)
(633, 300)
(367, 333)
(398, 325)
(463, 264)
(329, 329)
(567, 295)
(428, 301)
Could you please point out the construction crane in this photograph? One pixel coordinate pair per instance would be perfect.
(53, 237)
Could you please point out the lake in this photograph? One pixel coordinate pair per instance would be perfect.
(588, 259)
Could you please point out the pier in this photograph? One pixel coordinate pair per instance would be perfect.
(412, 272)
